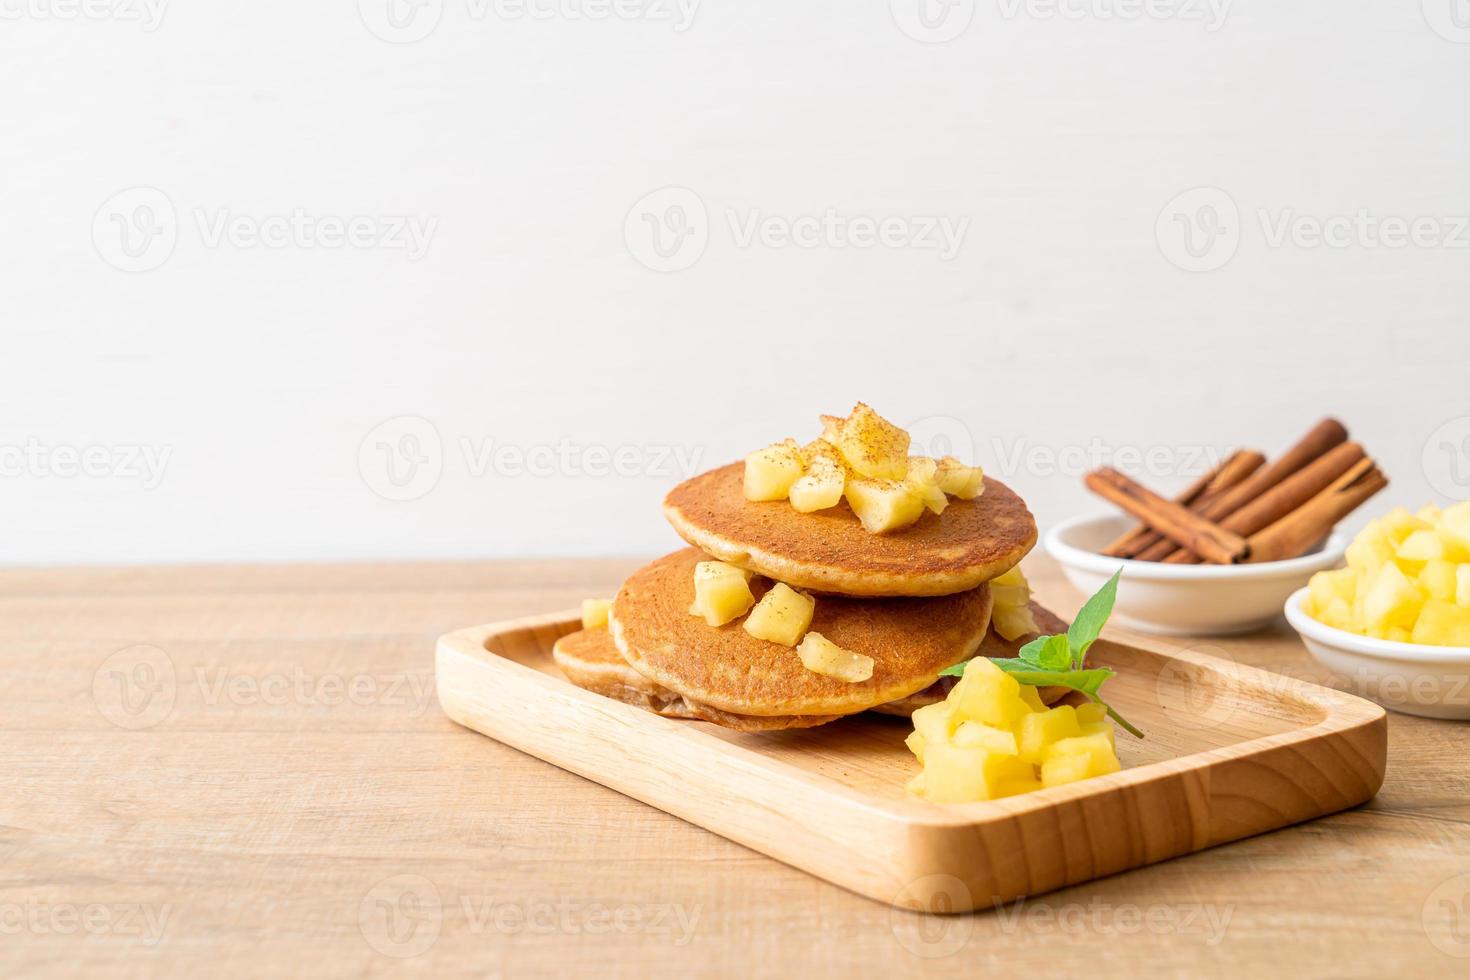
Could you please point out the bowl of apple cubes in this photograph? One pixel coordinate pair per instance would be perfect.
(1395, 623)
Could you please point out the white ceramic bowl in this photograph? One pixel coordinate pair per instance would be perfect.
(1182, 599)
(1408, 677)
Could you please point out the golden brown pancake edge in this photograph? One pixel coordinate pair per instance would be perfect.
(972, 542)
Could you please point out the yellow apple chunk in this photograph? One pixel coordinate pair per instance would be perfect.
(782, 616)
(1442, 624)
(820, 487)
(872, 446)
(988, 694)
(976, 735)
(957, 774)
(770, 472)
(721, 592)
(820, 655)
(883, 505)
(959, 480)
(594, 612)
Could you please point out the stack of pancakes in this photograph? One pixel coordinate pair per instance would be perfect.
(915, 600)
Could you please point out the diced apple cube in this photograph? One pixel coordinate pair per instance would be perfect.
(974, 734)
(721, 592)
(594, 612)
(935, 722)
(782, 616)
(1371, 549)
(883, 505)
(1422, 545)
(820, 655)
(769, 472)
(957, 774)
(1437, 579)
(873, 446)
(1032, 698)
(921, 479)
(959, 480)
(1392, 600)
(1462, 586)
(819, 487)
(1443, 624)
(1095, 749)
(916, 742)
(988, 694)
(1040, 730)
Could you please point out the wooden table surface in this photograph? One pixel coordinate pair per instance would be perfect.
(243, 770)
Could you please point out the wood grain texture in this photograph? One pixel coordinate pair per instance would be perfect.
(277, 820)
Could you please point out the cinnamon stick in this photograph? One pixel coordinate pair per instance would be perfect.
(1293, 534)
(1236, 467)
(1179, 524)
(1325, 435)
(1286, 496)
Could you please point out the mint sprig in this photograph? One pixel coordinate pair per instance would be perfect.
(1059, 660)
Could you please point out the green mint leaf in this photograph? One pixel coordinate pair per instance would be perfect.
(1048, 653)
(1088, 625)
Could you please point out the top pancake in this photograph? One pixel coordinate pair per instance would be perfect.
(910, 640)
(972, 542)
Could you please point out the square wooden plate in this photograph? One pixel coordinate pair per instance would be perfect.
(1230, 751)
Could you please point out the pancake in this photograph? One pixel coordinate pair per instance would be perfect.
(995, 645)
(910, 640)
(591, 661)
(972, 542)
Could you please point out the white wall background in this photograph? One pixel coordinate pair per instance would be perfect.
(1064, 323)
